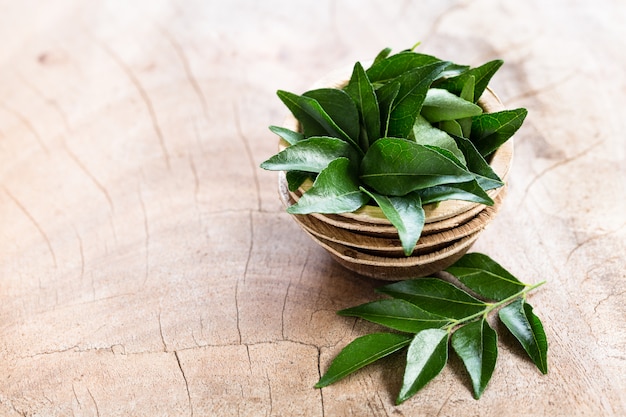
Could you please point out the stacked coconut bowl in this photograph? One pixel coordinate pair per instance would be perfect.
(367, 243)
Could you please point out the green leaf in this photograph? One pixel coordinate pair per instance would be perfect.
(396, 314)
(426, 134)
(391, 67)
(381, 55)
(362, 93)
(426, 357)
(386, 96)
(482, 77)
(435, 296)
(361, 352)
(476, 344)
(405, 213)
(490, 130)
(441, 104)
(288, 135)
(311, 155)
(467, 92)
(477, 164)
(295, 179)
(414, 86)
(452, 127)
(338, 105)
(465, 191)
(395, 167)
(519, 318)
(335, 190)
(310, 125)
(485, 277)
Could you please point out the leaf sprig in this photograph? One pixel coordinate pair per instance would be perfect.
(431, 313)
(411, 131)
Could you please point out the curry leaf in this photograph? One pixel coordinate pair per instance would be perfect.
(485, 277)
(311, 155)
(396, 314)
(465, 191)
(341, 110)
(426, 134)
(452, 127)
(381, 55)
(310, 125)
(386, 96)
(435, 296)
(361, 352)
(288, 135)
(425, 358)
(406, 214)
(335, 190)
(362, 93)
(519, 318)
(295, 179)
(476, 343)
(491, 130)
(481, 74)
(414, 86)
(477, 164)
(395, 167)
(441, 104)
(393, 66)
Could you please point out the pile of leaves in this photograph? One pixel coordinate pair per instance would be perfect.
(401, 134)
(431, 313)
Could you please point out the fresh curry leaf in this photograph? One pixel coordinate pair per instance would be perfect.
(295, 179)
(426, 134)
(340, 109)
(362, 93)
(519, 318)
(396, 314)
(335, 190)
(465, 191)
(381, 55)
(405, 213)
(435, 296)
(476, 343)
(425, 358)
(361, 352)
(310, 125)
(482, 75)
(386, 96)
(396, 65)
(441, 104)
(491, 130)
(477, 164)
(395, 167)
(288, 135)
(414, 86)
(485, 277)
(452, 127)
(311, 155)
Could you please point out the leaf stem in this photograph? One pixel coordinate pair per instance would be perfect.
(489, 307)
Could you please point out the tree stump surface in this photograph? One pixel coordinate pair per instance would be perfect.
(147, 267)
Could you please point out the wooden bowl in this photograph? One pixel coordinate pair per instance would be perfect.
(366, 242)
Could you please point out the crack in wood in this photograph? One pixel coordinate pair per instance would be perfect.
(180, 366)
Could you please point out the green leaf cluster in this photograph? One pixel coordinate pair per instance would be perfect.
(429, 314)
(408, 132)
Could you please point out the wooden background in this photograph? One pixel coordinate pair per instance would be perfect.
(147, 267)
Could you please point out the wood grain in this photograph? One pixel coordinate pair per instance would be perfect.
(147, 266)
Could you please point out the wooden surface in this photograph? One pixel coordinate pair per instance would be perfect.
(147, 267)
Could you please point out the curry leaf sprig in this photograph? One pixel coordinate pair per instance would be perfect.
(401, 134)
(430, 313)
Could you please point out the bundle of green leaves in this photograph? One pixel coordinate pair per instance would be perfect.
(402, 134)
(430, 314)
